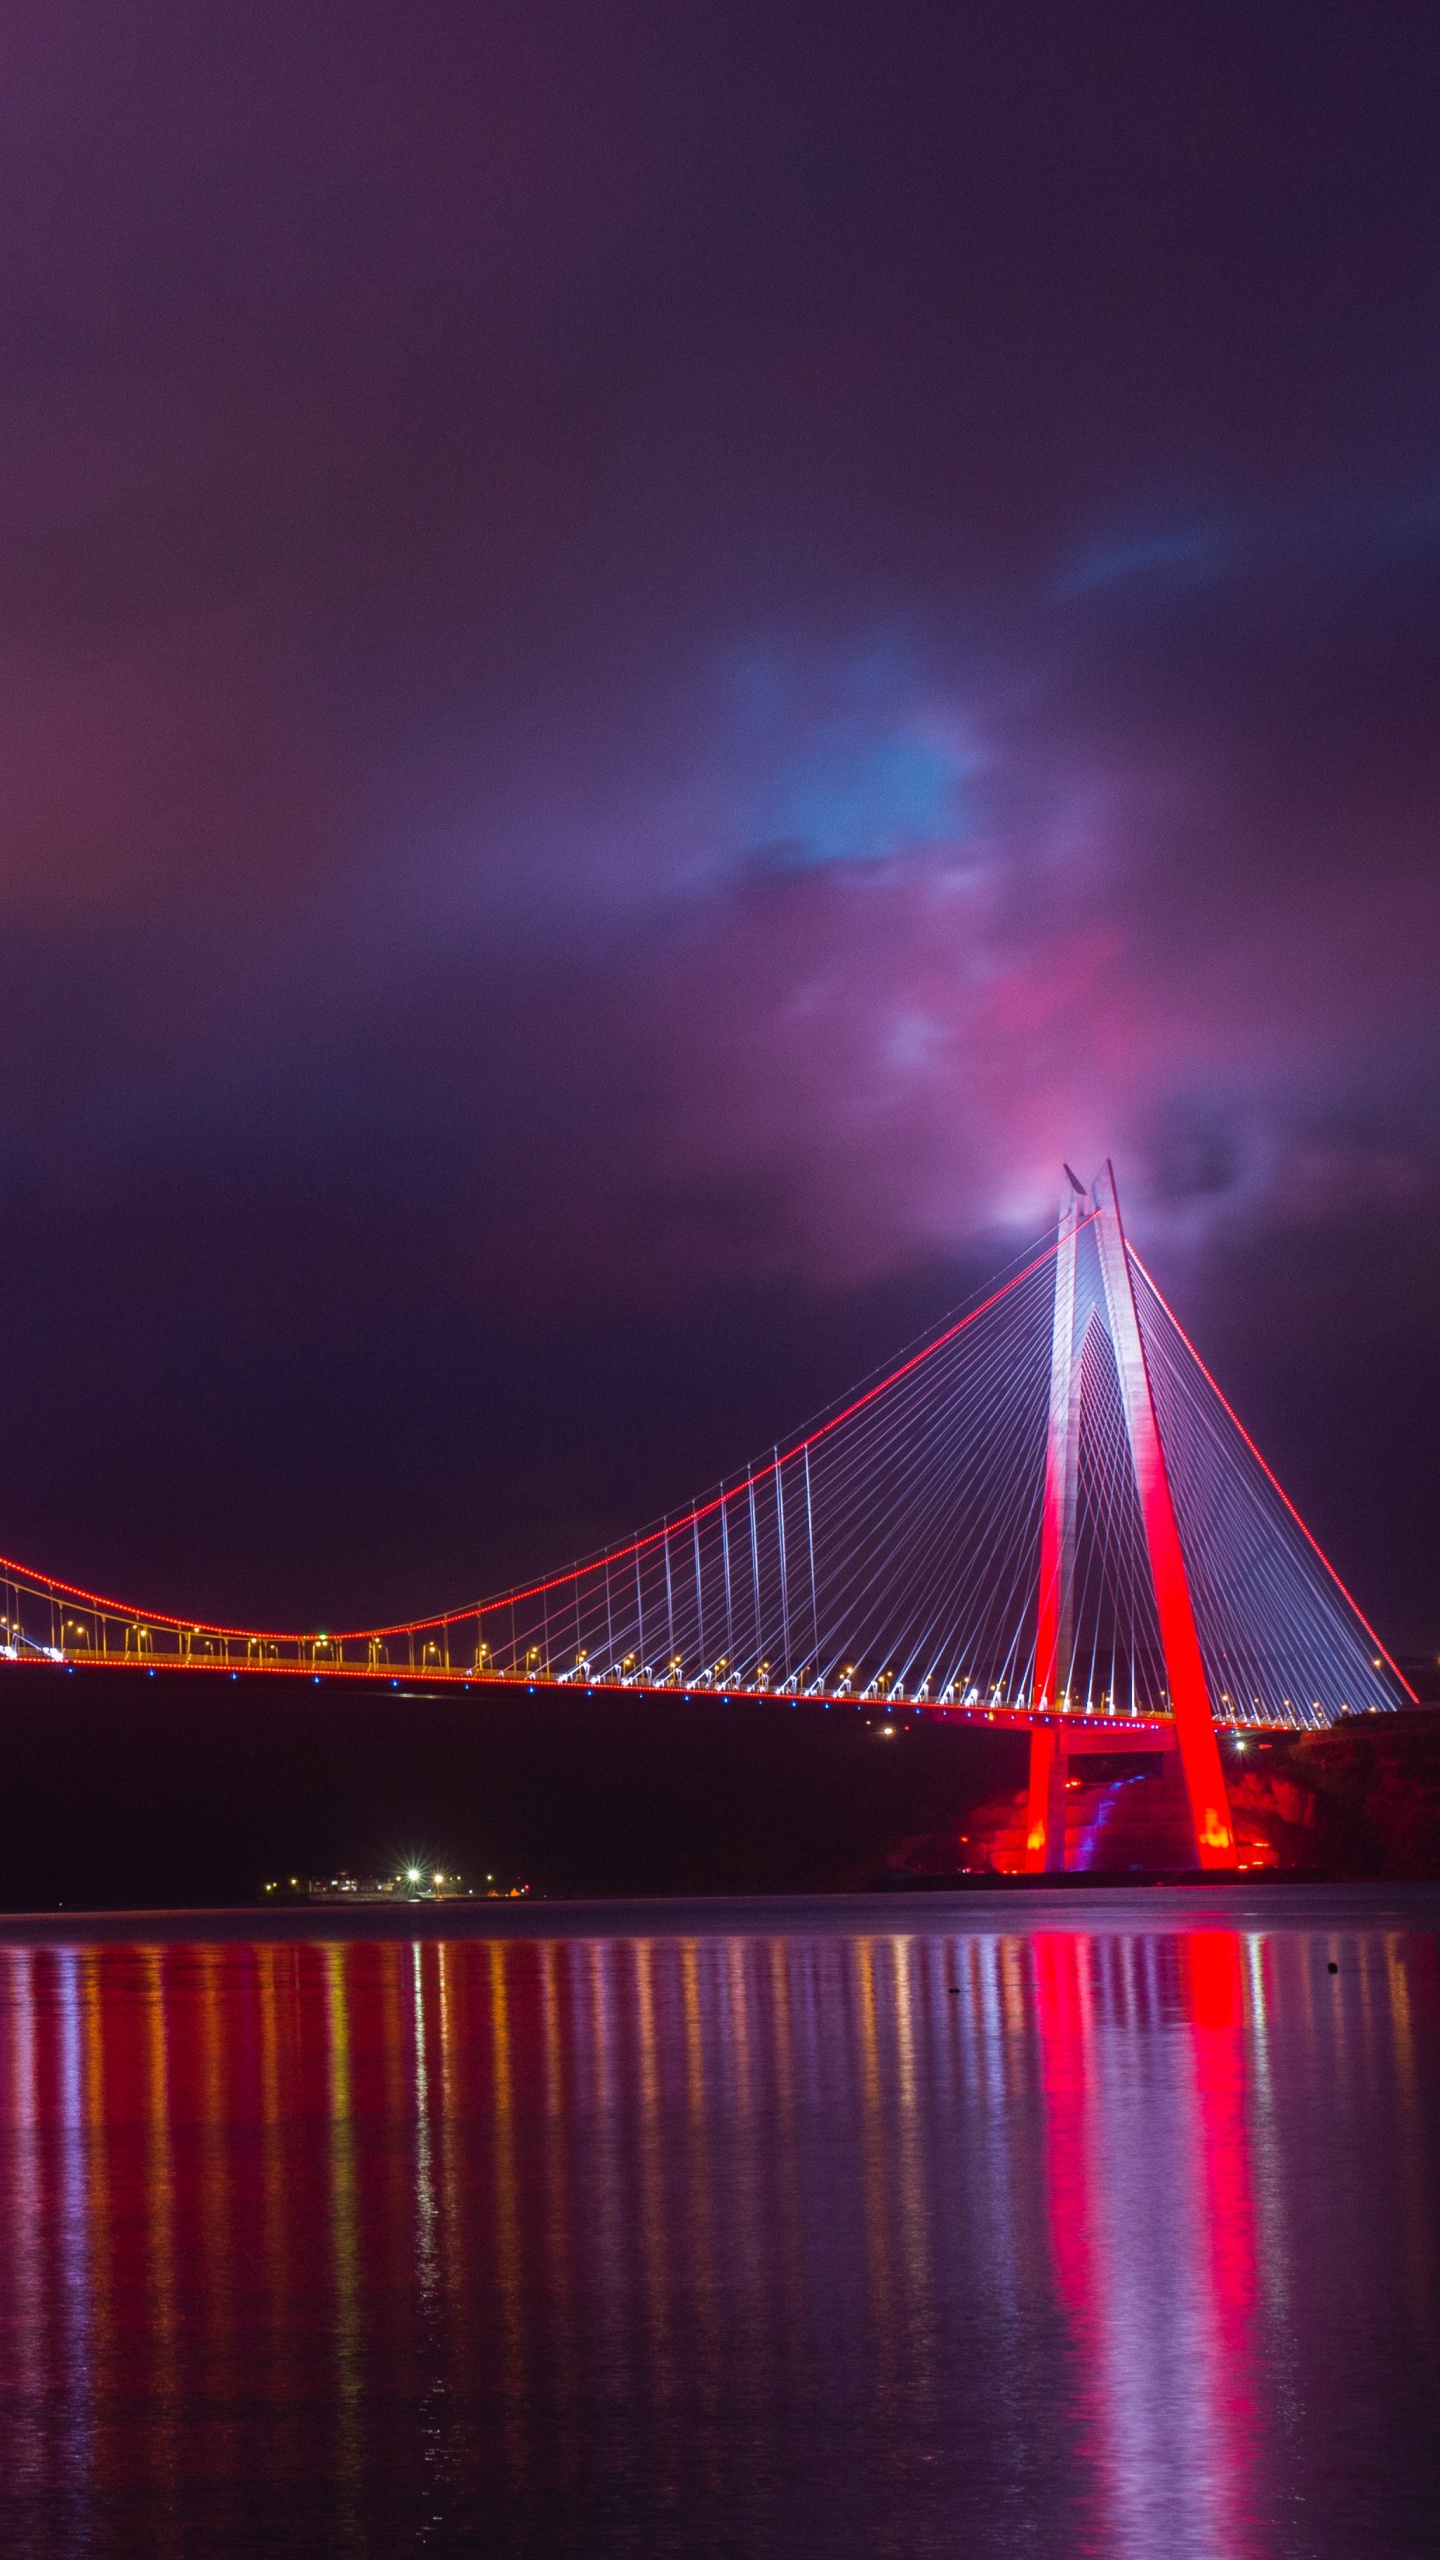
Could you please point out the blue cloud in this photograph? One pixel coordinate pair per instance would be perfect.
(858, 797)
(1194, 553)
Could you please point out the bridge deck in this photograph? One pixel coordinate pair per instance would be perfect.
(1118, 1728)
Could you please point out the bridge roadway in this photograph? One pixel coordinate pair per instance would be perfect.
(1116, 1729)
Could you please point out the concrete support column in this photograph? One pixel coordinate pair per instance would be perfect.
(1045, 1822)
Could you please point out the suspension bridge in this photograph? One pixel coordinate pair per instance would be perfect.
(1045, 1515)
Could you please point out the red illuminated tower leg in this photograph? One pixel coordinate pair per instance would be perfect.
(1045, 1825)
(1184, 1666)
(1045, 1820)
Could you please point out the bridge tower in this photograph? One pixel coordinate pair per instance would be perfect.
(1199, 1751)
(1045, 1830)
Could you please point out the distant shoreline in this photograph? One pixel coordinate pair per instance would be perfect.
(1265, 1904)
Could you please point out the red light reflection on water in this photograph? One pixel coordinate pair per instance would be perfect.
(1152, 2227)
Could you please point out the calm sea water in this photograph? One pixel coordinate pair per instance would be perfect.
(943, 2227)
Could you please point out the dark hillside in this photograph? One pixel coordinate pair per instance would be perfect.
(119, 1789)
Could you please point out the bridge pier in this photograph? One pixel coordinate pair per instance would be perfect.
(1045, 1823)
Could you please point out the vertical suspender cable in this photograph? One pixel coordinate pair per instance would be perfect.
(810, 1542)
(754, 1565)
(784, 1586)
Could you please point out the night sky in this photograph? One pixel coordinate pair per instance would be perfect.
(650, 657)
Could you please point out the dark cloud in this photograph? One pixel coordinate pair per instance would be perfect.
(646, 660)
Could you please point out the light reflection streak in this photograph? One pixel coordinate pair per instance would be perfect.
(509, 2262)
(81, 2234)
(274, 2232)
(653, 2234)
(562, 2276)
(698, 2218)
(873, 2162)
(432, 2413)
(23, 2273)
(609, 2025)
(915, 2254)
(215, 1987)
(1167, 2367)
(1268, 2160)
(786, 2182)
(345, 2249)
(1416, 2152)
(162, 2326)
(72, 2226)
(750, 2201)
(101, 2237)
(454, 2047)
(990, 2063)
(391, 1971)
(426, 2258)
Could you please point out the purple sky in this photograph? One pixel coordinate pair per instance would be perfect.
(650, 656)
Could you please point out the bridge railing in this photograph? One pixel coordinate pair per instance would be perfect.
(42, 1622)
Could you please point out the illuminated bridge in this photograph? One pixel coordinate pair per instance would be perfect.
(1044, 1515)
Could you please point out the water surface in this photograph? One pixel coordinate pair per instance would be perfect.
(1099, 2224)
